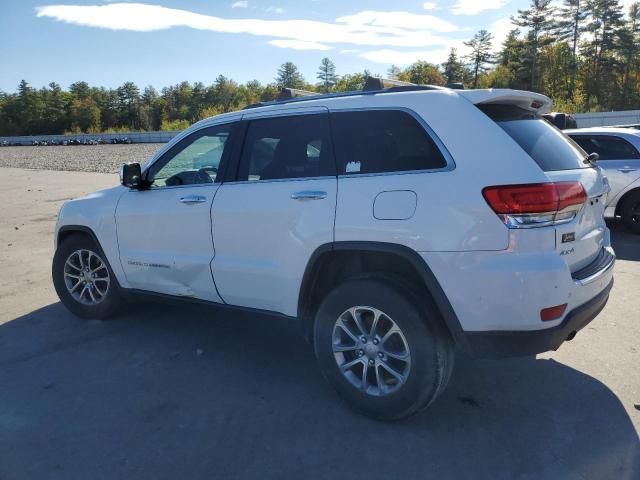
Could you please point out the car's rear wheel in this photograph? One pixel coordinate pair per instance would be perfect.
(84, 280)
(382, 347)
(630, 211)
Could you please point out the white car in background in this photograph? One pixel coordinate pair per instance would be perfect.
(394, 225)
(618, 152)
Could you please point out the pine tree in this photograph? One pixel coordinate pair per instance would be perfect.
(453, 68)
(289, 76)
(604, 27)
(571, 24)
(80, 89)
(629, 46)
(28, 104)
(538, 19)
(128, 105)
(480, 56)
(55, 114)
(327, 74)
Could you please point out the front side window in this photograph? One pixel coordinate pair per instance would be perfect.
(378, 141)
(287, 147)
(194, 160)
(607, 147)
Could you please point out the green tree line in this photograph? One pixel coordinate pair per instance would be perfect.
(585, 55)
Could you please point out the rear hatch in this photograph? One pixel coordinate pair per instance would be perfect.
(580, 238)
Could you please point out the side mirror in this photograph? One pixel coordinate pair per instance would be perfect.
(131, 175)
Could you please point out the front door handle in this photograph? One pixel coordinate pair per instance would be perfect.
(627, 169)
(309, 195)
(191, 199)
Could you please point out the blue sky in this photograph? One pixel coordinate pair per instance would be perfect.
(162, 42)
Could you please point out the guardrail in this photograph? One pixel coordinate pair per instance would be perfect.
(601, 119)
(135, 137)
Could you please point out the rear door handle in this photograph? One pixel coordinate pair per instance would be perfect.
(627, 169)
(191, 199)
(309, 195)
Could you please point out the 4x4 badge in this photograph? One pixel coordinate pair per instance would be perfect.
(568, 237)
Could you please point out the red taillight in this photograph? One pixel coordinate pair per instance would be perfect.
(569, 194)
(536, 203)
(533, 198)
(552, 313)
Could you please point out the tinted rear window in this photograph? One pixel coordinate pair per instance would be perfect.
(545, 144)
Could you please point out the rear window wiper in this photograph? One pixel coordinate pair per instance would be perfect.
(592, 158)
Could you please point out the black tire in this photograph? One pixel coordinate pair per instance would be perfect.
(109, 304)
(429, 343)
(630, 212)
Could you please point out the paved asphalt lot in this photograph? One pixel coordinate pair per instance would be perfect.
(164, 392)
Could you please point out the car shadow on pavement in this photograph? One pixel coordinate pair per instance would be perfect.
(625, 243)
(169, 392)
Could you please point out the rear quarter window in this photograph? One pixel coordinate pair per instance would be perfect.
(382, 141)
(550, 148)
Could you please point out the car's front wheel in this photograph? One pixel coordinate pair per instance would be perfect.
(382, 347)
(84, 280)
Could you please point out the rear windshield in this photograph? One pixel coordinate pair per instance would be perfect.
(549, 147)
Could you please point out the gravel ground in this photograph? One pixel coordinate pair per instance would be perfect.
(82, 158)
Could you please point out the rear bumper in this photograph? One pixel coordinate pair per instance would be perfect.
(501, 343)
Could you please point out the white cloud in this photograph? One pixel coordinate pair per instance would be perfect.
(500, 29)
(395, 57)
(473, 7)
(275, 9)
(367, 28)
(240, 4)
(299, 45)
(430, 5)
(402, 20)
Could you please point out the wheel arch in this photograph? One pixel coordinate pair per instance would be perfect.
(333, 262)
(67, 231)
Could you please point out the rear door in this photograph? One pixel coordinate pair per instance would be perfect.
(580, 240)
(619, 159)
(278, 210)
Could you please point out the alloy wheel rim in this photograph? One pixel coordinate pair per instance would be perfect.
(86, 277)
(371, 351)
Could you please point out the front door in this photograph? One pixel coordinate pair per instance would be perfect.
(268, 223)
(164, 232)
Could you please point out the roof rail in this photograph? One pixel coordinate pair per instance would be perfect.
(289, 93)
(377, 83)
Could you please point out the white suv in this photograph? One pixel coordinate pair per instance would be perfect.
(395, 225)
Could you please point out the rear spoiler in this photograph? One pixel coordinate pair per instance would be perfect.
(534, 102)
